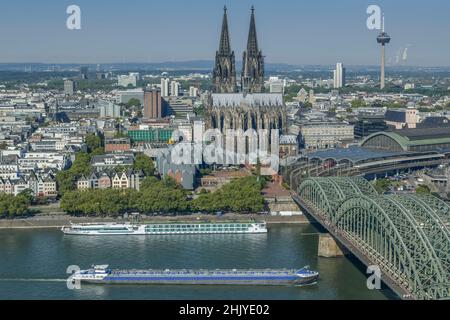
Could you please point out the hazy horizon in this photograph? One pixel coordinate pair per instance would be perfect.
(300, 33)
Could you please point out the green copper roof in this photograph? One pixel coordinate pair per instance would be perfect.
(406, 143)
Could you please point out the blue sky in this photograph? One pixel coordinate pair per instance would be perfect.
(289, 31)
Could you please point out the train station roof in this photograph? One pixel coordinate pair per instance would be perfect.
(354, 154)
(407, 138)
(425, 133)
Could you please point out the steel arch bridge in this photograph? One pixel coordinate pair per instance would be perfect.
(407, 236)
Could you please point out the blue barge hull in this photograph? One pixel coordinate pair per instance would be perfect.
(198, 277)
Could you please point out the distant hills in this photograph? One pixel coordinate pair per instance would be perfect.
(200, 65)
(195, 65)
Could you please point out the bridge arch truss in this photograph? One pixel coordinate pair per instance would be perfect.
(407, 236)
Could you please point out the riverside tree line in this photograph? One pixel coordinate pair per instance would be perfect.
(165, 196)
(15, 206)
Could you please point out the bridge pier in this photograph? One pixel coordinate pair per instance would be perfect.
(329, 247)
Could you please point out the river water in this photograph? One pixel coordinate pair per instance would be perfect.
(33, 264)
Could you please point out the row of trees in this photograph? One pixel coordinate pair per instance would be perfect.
(14, 206)
(82, 85)
(241, 195)
(154, 196)
(385, 185)
(165, 196)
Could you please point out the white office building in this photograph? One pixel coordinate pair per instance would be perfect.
(37, 160)
(126, 95)
(199, 130)
(276, 85)
(135, 74)
(69, 87)
(109, 110)
(339, 76)
(165, 87)
(185, 131)
(193, 92)
(127, 80)
(174, 89)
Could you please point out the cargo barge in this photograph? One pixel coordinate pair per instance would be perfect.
(102, 274)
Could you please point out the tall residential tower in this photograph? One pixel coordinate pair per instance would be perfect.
(339, 76)
(153, 104)
(165, 87)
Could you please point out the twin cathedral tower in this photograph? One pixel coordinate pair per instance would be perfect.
(248, 119)
(224, 74)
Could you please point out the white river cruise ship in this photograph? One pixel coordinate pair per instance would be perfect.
(165, 228)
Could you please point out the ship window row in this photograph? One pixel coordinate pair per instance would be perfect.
(203, 228)
(206, 227)
(200, 226)
(100, 229)
(183, 229)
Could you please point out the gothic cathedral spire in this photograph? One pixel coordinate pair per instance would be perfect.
(224, 74)
(252, 80)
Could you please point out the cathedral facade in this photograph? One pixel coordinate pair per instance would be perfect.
(250, 107)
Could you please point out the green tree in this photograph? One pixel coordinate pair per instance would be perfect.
(133, 103)
(97, 151)
(99, 202)
(13, 206)
(120, 134)
(80, 167)
(382, 185)
(154, 196)
(422, 189)
(170, 182)
(307, 105)
(28, 194)
(144, 163)
(93, 142)
(358, 103)
(240, 195)
(149, 182)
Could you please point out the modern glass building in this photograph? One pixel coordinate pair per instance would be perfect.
(150, 135)
(369, 124)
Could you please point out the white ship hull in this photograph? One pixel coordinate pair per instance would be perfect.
(164, 229)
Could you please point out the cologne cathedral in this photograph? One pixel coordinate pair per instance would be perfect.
(246, 106)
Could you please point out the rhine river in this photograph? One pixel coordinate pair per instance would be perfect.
(33, 264)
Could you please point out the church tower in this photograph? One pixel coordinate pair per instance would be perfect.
(224, 74)
(252, 80)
